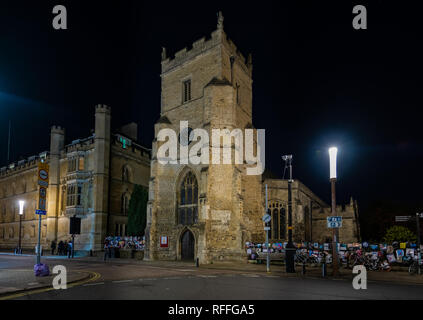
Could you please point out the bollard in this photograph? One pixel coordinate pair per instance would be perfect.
(304, 268)
(197, 263)
(324, 269)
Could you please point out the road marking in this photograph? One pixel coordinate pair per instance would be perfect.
(122, 281)
(33, 283)
(184, 270)
(150, 279)
(204, 276)
(93, 284)
(250, 275)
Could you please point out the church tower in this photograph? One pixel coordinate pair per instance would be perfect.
(204, 211)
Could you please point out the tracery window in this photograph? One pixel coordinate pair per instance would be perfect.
(278, 223)
(188, 200)
(74, 195)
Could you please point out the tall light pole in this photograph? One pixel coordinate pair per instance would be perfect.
(21, 212)
(290, 248)
(335, 231)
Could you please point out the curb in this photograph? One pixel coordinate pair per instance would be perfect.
(24, 292)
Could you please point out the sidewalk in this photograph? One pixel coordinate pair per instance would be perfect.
(18, 280)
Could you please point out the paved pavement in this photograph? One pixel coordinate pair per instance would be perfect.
(131, 279)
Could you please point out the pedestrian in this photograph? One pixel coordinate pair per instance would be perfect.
(106, 249)
(53, 247)
(70, 246)
(65, 248)
(60, 248)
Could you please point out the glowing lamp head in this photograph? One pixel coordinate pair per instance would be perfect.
(332, 158)
(21, 207)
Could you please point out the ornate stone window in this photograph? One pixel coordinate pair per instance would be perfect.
(125, 204)
(278, 223)
(188, 200)
(72, 165)
(74, 195)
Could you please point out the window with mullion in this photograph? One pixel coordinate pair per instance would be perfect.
(188, 201)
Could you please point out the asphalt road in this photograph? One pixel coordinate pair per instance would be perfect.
(230, 287)
(178, 281)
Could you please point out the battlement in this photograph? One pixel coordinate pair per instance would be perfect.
(21, 165)
(132, 148)
(102, 108)
(218, 37)
(79, 144)
(58, 130)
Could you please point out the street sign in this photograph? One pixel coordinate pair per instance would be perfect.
(42, 204)
(43, 174)
(334, 222)
(266, 218)
(266, 228)
(402, 218)
(41, 212)
(43, 193)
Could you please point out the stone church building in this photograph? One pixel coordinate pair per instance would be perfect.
(91, 178)
(209, 211)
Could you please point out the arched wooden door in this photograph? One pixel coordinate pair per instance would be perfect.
(187, 245)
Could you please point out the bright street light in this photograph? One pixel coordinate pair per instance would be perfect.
(21, 207)
(332, 158)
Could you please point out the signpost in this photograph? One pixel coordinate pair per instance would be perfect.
(334, 222)
(267, 218)
(43, 177)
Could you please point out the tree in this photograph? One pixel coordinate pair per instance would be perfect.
(400, 234)
(137, 211)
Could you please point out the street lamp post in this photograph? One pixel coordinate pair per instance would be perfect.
(21, 212)
(290, 248)
(335, 231)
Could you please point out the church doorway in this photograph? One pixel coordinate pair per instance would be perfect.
(187, 246)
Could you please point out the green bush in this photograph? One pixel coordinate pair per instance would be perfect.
(137, 211)
(400, 234)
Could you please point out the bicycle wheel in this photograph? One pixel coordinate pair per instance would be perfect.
(412, 269)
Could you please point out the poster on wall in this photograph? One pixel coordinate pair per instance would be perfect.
(164, 243)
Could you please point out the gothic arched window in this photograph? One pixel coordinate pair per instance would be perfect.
(278, 223)
(125, 204)
(188, 200)
(125, 174)
(282, 223)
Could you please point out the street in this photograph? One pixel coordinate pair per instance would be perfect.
(229, 287)
(182, 281)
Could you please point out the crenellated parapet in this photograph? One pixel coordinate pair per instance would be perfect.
(57, 130)
(23, 165)
(218, 37)
(102, 108)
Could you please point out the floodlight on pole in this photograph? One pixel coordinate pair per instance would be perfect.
(332, 158)
(21, 207)
(335, 232)
(21, 212)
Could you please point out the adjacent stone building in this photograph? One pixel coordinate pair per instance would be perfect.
(91, 178)
(309, 214)
(208, 211)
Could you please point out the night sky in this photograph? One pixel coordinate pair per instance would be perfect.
(317, 82)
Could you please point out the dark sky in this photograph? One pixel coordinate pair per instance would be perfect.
(317, 81)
